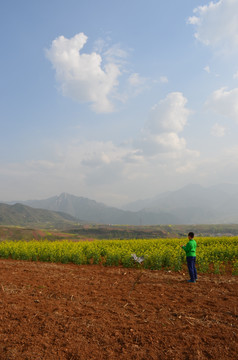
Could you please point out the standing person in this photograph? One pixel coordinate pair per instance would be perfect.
(190, 249)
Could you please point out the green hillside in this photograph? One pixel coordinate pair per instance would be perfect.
(22, 215)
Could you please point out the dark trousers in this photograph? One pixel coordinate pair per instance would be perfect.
(191, 260)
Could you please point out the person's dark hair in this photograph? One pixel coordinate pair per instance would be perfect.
(191, 234)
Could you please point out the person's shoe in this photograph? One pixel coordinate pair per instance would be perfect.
(191, 281)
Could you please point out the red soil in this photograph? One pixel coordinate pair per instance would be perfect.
(57, 312)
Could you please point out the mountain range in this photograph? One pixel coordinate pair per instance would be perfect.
(87, 210)
(192, 204)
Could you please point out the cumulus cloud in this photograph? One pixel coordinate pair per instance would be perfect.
(216, 24)
(160, 135)
(224, 102)
(81, 76)
(169, 115)
(218, 130)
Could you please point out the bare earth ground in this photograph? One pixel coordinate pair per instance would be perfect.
(55, 311)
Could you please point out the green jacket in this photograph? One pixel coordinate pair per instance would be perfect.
(190, 248)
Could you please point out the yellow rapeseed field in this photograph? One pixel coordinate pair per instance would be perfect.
(215, 254)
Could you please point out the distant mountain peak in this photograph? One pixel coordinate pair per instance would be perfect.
(191, 204)
(65, 195)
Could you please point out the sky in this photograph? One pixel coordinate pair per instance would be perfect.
(117, 100)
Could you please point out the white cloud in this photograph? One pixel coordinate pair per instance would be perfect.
(97, 153)
(136, 80)
(152, 145)
(115, 54)
(164, 79)
(97, 165)
(217, 24)
(114, 169)
(218, 130)
(81, 76)
(93, 78)
(224, 103)
(159, 138)
(207, 69)
(169, 115)
(136, 84)
(193, 20)
(99, 45)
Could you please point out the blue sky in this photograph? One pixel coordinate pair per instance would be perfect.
(117, 100)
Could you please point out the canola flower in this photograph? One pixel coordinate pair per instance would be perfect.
(213, 254)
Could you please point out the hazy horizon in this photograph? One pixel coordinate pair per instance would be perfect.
(223, 187)
(119, 101)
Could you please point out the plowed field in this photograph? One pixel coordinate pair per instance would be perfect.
(54, 311)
